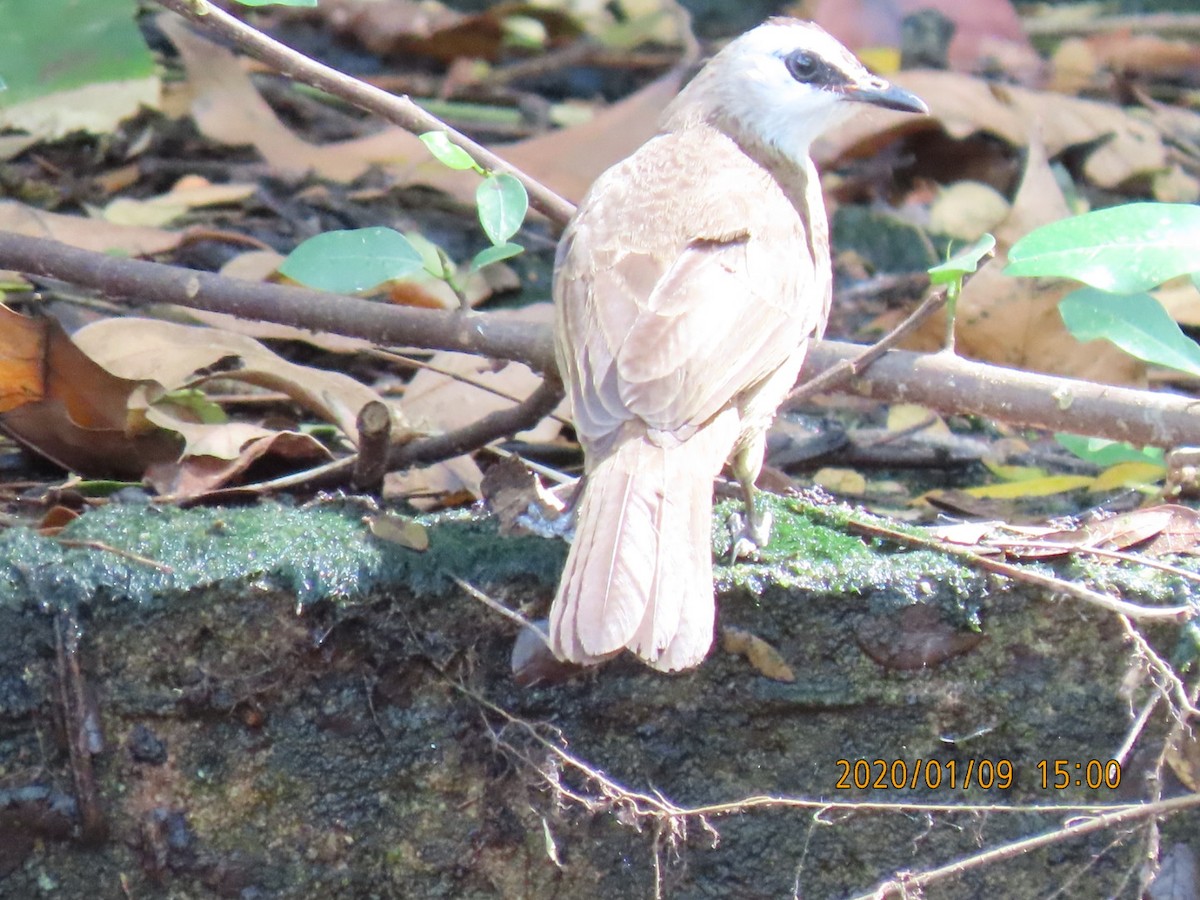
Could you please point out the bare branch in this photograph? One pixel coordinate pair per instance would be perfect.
(956, 386)
(501, 423)
(400, 111)
(300, 307)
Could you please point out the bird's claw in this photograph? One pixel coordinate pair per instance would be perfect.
(751, 535)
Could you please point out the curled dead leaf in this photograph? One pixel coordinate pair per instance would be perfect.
(768, 661)
(400, 530)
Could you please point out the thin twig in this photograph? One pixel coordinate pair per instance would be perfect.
(910, 884)
(846, 369)
(501, 423)
(400, 111)
(495, 605)
(405, 359)
(1016, 573)
(1069, 550)
(108, 548)
(1184, 707)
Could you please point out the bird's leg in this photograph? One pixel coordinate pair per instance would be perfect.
(755, 531)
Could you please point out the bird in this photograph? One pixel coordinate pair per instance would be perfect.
(686, 288)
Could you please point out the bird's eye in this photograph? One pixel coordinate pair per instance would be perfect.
(803, 66)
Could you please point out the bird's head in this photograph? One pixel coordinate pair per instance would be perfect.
(783, 84)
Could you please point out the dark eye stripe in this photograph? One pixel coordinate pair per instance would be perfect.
(808, 68)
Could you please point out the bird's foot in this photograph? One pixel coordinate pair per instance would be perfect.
(751, 534)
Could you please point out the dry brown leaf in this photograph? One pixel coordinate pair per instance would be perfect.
(570, 159)
(228, 109)
(963, 106)
(22, 359)
(1145, 55)
(434, 402)
(914, 637)
(194, 476)
(987, 33)
(765, 659)
(176, 356)
(1182, 754)
(967, 210)
(190, 192)
(400, 530)
(70, 410)
(253, 265)
(512, 491)
(1014, 321)
(87, 234)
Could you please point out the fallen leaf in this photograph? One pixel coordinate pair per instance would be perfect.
(176, 356)
(194, 476)
(845, 482)
(65, 407)
(765, 659)
(1124, 146)
(85, 233)
(570, 159)
(400, 530)
(916, 637)
(988, 34)
(515, 496)
(436, 403)
(967, 210)
(190, 192)
(1031, 487)
(1015, 322)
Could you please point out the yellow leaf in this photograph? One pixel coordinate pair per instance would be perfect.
(881, 60)
(1034, 487)
(1129, 475)
(910, 416)
(1014, 473)
(841, 481)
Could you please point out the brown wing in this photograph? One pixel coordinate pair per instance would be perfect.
(685, 280)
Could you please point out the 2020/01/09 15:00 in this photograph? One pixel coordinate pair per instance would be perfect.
(987, 774)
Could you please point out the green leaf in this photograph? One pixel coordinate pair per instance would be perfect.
(278, 2)
(1137, 323)
(495, 254)
(52, 49)
(1124, 249)
(196, 402)
(964, 262)
(502, 203)
(1107, 453)
(349, 261)
(447, 152)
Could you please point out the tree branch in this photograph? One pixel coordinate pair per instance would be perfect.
(956, 386)
(398, 110)
(382, 323)
(469, 438)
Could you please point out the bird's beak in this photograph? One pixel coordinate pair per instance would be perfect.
(887, 95)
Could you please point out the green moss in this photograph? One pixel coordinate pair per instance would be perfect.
(319, 553)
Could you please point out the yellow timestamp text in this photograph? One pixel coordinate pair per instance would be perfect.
(933, 774)
(1060, 774)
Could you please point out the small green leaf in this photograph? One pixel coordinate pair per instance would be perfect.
(524, 31)
(447, 152)
(495, 254)
(502, 203)
(196, 402)
(1137, 323)
(964, 262)
(1124, 249)
(1105, 453)
(278, 2)
(348, 261)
